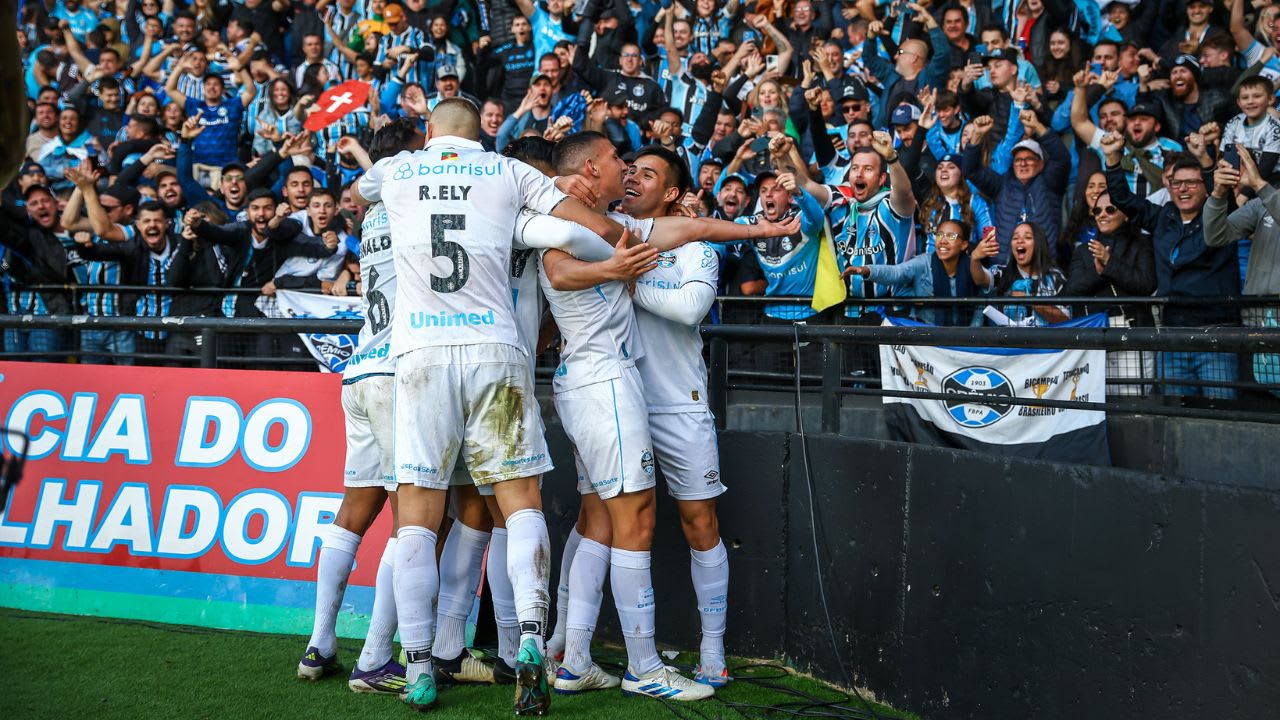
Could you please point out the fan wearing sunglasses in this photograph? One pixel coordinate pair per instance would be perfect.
(1114, 263)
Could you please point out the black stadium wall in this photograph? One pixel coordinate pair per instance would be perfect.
(965, 586)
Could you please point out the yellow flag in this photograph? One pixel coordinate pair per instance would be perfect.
(828, 287)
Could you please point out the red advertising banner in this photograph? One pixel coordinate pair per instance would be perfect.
(182, 495)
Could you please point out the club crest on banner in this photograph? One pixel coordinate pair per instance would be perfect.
(977, 381)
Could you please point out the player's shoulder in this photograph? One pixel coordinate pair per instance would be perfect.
(635, 225)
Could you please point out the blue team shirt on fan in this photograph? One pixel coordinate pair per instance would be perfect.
(790, 263)
(546, 32)
(217, 144)
(880, 237)
(82, 21)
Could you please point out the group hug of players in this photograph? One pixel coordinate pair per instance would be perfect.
(459, 249)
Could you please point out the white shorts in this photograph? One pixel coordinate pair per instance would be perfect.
(473, 401)
(608, 424)
(689, 454)
(462, 478)
(367, 409)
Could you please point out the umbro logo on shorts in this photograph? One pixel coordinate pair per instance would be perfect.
(646, 462)
(712, 476)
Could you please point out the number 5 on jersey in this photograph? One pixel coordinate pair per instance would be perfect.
(440, 247)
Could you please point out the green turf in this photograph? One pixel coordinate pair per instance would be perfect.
(60, 666)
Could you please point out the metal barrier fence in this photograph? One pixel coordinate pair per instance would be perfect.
(818, 354)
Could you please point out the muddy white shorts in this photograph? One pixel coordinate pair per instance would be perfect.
(367, 404)
(688, 453)
(472, 403)
(608, 424)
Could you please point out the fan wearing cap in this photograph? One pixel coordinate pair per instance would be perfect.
(1032, 191)
(448, 86)
(1187, 105)
(533, 113)
(617, 124)
(1145, 149)
(995, 101)
(39, 252)
(404, 39)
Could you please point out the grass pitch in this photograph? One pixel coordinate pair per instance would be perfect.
(61, 666)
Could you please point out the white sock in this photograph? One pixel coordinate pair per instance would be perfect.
(460, 566)
(710, 571)
(416, 582)
(632, 586)
(528, 566)
(586, 592)
(504, 601)
(382, 625)
(556, 645)
(333, 568)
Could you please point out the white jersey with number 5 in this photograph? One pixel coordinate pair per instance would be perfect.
(378, 289)
(452, 208)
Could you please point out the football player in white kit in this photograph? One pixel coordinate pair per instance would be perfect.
(477, 518)
(367, 385)
(600, 399)
(672, 299)
(463, 385)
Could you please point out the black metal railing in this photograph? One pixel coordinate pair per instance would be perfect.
(824, 375)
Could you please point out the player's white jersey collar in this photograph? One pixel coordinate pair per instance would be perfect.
(453, 140)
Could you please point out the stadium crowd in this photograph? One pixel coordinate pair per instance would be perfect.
(1016, 148)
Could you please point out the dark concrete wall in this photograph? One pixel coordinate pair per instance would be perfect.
(965, 586)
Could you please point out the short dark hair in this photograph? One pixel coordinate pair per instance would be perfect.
(108, 83)
(1185, 163)
(679, 171)
(322, 191)
(953, 6)
(548, 55)
(1219, 41)
(1004, 34)
(259, 193)
(532, 149)
(1112, 43)
(573, 150)
(298, 169)
(393, 138)
(111, 50)
(1110, 100)
(946, 99)
(867, 150)
(150, 206)
(1258, 81)
(150, 126)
